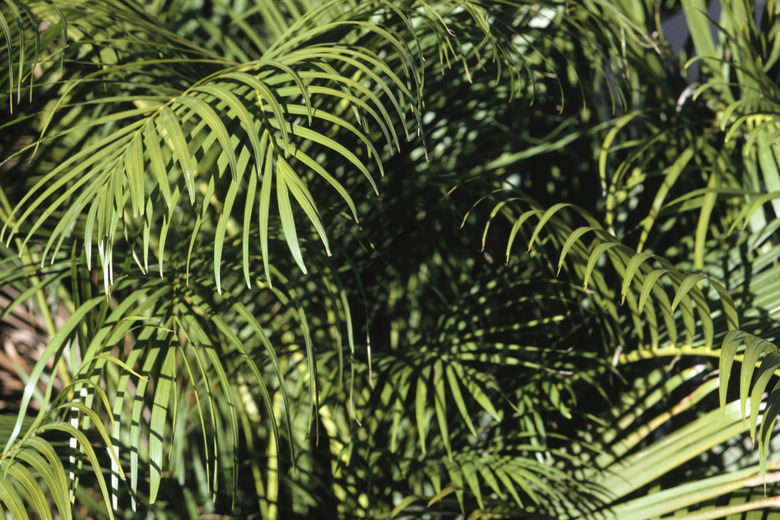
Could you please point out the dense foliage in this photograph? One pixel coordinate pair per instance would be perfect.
(389, 258)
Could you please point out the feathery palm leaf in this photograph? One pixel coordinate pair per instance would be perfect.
(260, 247)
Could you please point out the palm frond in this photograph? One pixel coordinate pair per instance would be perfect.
(231, 255)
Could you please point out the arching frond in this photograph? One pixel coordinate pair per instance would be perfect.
(233, 280)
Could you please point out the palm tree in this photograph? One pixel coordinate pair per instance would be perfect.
(392, 259)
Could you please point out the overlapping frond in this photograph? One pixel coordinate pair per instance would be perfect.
(641, 274)
(34, 474)
(188, 160)
(234, 229)
(262, 124)
(636, 456)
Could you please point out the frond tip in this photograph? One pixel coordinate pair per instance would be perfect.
(753, 352)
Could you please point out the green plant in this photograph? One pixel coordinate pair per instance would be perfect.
(269, 259)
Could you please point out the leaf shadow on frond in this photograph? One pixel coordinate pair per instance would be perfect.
(478, 376)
